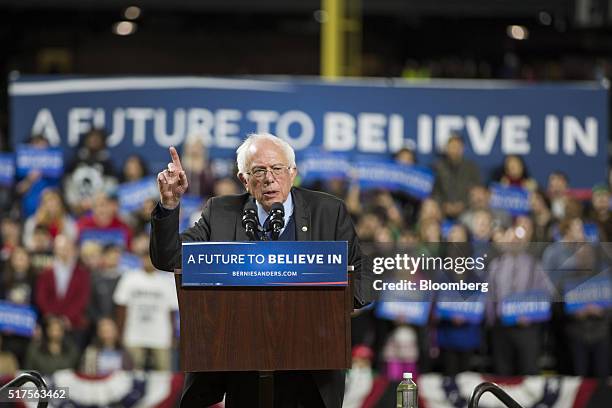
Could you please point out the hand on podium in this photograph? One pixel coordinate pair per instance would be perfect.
(172, 182)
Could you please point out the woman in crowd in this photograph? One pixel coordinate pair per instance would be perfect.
(106, 354)
(18, 278)
(134, 169)
(458, 339)
(515, 173)
(52, 215)
(197, 168)
(54, 351)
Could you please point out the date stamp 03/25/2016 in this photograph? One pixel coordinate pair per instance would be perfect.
(32, 394)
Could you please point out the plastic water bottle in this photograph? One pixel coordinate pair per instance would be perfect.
(407, 393)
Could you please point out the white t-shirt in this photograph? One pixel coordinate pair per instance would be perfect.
(149, 298)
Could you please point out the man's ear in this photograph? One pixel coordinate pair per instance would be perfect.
(243, 180)
(295, 173)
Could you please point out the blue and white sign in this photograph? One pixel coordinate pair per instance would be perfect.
(7, 169)
(269, 263)
(130, 262)
(531, 306)
(596, 291)
(317, 164)
(133, 195)
(49, 162)
(113, 236)
(589, 229)
(550, 126)
(414, 180)
(371, 174)
(191, 206)
(416, 313)
(449, 307)
(17, 319)
(513, 199)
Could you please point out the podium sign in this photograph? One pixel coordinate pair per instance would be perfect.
(265, 263)
(290, 311)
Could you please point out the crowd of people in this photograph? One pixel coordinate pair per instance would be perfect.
(69, 252)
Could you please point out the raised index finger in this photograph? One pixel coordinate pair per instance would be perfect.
(175, 158)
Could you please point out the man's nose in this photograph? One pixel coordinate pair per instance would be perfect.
(269, 178)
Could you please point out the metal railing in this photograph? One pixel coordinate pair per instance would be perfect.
(26, 377)
(495, 390)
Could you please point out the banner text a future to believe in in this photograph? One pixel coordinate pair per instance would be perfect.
(550, 126)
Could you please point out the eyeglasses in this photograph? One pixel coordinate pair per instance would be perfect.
(260, 172)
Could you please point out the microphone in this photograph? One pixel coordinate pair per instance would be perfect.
(277, 219)
(250, 221)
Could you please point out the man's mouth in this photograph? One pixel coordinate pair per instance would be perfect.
(269, 194)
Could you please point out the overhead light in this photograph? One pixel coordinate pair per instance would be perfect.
(320, 16)
(124, 28)
(545, 18)
(517, 32)
(132, 12)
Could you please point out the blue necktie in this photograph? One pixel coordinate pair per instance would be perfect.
(267, 231)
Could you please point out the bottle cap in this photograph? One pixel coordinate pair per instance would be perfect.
(407, 376)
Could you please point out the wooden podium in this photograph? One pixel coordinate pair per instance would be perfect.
(264, 328)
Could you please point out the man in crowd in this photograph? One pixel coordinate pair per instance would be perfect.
(455, 175)
(266, 167)
(64, 288)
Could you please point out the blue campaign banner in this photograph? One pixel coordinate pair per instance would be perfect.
(49, 162)
(130, 262)
(133, 195)
(591, 232)
(513, 199)
(104, 236)
(317, 164)
(416, 313)
(551, 126)
(17, 319)
(589, 229)
(580, 294)
(414, 180)
(446, 227)
(7, 169)
(531, 306)
(449, 307)
(268, 263)
(190, 204)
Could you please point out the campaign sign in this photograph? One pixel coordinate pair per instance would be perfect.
(513, 199)
(265, 263)
(104, 236)
(446, 227)
(550, 126)
(531, 306)
(49, 162)
(129, 262)
(133, 195)
(449, 307)
(589, 229)
(17, 319)
(318, 164)
(595, 291)
(591, 232)
(416, 313)
(7, 169)
(414, 180)
(190, 204)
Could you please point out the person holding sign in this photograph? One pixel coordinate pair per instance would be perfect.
(266, 168)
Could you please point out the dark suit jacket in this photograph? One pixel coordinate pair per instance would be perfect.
(318, 217)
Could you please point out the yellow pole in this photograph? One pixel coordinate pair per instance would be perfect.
(332, 39)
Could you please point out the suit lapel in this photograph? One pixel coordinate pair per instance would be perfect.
(240, 232)
(301, 214)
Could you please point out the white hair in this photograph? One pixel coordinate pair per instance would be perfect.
(241, 152)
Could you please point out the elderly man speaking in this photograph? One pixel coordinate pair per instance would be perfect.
(267, 169)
